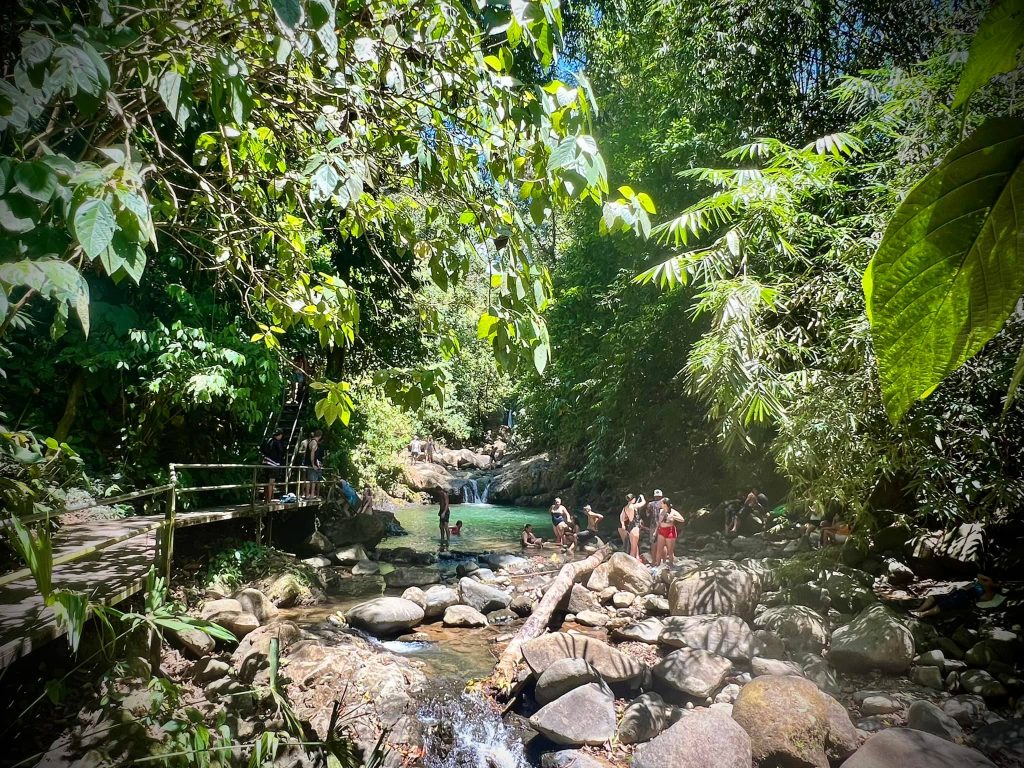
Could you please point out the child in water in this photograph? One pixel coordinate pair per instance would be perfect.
(456, 529)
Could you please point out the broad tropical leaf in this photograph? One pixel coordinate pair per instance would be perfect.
(994, 49)
(950, 267)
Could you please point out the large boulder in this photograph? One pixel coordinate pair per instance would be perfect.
(579, 599)
(701, 739)
(195, 643)
(463, 616)
(645, 717)
(925, 716)
(385, 615)
(438, 599)
(961, 549)
(1003, 741)
(585, 715)
(411, 576)
(613, 665)
(907, 748)
(238, 623)
(875, 639)
(691, 671)
(531, 476)
(720, 588)
(629, 574)
(255, 602)
(801, 628)
(646, 631)
(792, 723)
(727, 636)
(481, 596)
(367, 530)
(561, 677)
(225, 605)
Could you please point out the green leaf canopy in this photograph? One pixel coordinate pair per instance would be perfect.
(950, 267)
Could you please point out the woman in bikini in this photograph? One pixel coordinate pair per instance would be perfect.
(665, 546)
(629, 523)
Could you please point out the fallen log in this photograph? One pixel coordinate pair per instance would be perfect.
(499, 684)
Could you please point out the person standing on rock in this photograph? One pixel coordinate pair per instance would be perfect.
(415, 448)
(560, 519)
(668, 532)
(444, 514)
(629, 523)
(366, 504)
(430, 450)
(651, 517)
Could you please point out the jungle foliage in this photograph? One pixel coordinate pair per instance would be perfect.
(765, 360)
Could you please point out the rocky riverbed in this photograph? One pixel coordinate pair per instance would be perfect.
(742, 653)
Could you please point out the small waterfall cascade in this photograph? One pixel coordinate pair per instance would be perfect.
(487, 491)
(471, 492)
(464, 732)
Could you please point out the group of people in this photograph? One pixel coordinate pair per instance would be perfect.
(656, 519)
(422, 450)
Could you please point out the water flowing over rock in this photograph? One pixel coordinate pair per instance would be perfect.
(907, 748)
(466, 732)
(791, 722)
(724, 587)
(585, 715)
(701, 739)
(385, 615)
(613, 665)
(875, 639)
(727, 636)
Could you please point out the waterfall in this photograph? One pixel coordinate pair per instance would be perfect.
(465, 732)
(487, 491)
(471, 492)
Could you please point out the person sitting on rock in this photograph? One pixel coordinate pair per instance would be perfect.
(456, 529)
(528, 539)
(982, 592)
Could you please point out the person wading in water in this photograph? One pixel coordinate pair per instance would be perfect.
(444, 514)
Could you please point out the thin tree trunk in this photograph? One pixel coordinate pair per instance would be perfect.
(502, 678)
(63, 429)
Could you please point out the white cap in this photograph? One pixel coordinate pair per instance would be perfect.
(657, 492)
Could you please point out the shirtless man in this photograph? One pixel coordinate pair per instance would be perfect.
(560, 520)
(653, 511)
(590, 532)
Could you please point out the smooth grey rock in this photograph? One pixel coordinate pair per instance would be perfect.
(561, 677)
(770, 645)
(879, 705)
(933, 658)
(967, 709)
(629, 574)
(930, 677)
(437, 599)
(701, 739)
(623, 599)
(801, 628)
(728, 636)
(584, 715)
(481, 596)
(692, 671)
(645, 717)
(613, 665)
(412, 576)
(416, 595)
(224, 605)
(875, 639)
(318, 561)
(981, 683)
(193, 642)
(580, 599)
(925, 716)
(655, 605)
(463, 616)
(350, 555)
(385, 615)
(366, 568)
(208, 669)
(776, 667)
(908, 748)
(255, 602)
(592, 618)
(1003, 741)
(722, 588)
(646, 631)
(238, 623)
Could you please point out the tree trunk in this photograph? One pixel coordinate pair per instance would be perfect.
(63, 429)
(499, 684)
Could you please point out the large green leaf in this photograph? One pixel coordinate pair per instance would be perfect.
(36, 180)
(994, 49)
(94, 226)
(950, 267)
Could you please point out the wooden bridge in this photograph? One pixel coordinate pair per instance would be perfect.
(109, 559)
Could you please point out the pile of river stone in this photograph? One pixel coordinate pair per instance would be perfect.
(710, 663)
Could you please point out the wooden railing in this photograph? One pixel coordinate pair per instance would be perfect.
(171, 491)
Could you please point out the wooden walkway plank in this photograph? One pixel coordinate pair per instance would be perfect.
(107, 575)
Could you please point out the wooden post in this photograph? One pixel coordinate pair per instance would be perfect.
(252, 498)
(166, 553)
